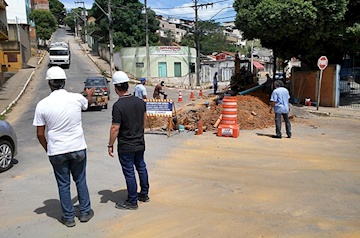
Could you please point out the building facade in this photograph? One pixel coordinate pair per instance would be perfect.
(175, 65)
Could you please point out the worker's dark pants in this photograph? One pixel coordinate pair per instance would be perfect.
(278, 123)
(73, 163)
(215, 87)
(128, 161)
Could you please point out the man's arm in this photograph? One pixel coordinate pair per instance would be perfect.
(40, 132)
(114, 131)
(89, 93)
(272, 105)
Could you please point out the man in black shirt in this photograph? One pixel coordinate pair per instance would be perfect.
(128, 116)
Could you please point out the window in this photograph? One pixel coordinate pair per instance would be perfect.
(12, 58)
(162, 69)
(139, 64)
(177, 69)
(59, 52)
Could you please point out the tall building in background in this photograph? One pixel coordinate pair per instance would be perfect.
(40, 5)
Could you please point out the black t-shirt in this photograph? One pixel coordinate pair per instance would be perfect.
(129, 112)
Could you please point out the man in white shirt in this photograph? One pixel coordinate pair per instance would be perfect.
(59, 131)
(140, 90)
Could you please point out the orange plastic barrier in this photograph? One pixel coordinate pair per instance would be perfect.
(229, 126)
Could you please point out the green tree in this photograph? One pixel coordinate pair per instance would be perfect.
(58, 10)
(128, 23)
(45, 23)
(74, 17)
(301, 28)
(69, 20)
(211, 37)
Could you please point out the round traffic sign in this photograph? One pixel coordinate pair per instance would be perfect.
(322, 62)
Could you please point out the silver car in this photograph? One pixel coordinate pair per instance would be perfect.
(8, 145)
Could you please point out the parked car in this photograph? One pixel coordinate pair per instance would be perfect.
(102, 91)
(8, 145)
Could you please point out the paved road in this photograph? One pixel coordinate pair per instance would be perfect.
(201, 186)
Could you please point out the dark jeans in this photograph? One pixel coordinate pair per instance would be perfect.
(215, 87)
(278, 123)
(63, 165)
(127, 161)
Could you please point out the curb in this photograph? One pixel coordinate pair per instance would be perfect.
(23, 89)
(103, 72)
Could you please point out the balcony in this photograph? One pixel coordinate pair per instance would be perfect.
(3, 32)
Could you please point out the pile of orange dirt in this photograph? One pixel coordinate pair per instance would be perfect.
(252, 113)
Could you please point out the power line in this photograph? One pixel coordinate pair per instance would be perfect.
(179, 7)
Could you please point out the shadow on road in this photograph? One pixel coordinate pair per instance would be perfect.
(268, 135)
(108, 195)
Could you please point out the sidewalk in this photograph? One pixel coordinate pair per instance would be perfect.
(14, 87)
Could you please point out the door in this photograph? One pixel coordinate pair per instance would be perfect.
(162, 70)
(177, 69)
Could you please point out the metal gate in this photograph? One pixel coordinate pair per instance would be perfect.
(350, 87)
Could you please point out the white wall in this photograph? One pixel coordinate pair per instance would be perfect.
(17, 9)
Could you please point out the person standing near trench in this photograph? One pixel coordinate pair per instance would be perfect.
(280, 102)
(59, 131)
(215, 82)
(128, 117)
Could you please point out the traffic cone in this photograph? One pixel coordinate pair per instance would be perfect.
(192, 96)
(180, 97)
(200, 93)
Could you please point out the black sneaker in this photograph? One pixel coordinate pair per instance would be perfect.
(87, 217)
(143, 198)
(126, 205)
(289, 136)
(68, 223)
(276, 137)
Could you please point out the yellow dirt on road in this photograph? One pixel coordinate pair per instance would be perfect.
(255, 186)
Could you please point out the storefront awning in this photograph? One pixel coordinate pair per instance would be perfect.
(258, 65)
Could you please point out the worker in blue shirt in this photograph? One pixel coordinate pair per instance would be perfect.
(280, 102)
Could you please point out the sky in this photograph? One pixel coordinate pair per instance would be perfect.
(220, 11)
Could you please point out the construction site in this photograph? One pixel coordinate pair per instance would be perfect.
(252, 112)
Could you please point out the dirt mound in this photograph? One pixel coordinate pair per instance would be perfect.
(252, 113)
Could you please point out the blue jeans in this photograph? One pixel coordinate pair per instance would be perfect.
(215, 87)
(127, 161)
(63, 165)
(278, 123)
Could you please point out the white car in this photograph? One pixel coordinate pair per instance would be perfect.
(8, 145)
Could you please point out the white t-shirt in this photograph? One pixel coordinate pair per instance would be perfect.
(140, 91)
(60, 112)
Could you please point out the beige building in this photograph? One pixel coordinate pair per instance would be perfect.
(172, 28)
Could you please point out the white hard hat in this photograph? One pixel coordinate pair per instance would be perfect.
(120, 77)
(55, 72)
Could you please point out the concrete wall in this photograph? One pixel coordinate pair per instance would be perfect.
(304, 84)
(10, 56)
(134, 61)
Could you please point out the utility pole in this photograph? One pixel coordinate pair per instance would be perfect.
(111, 44)
(147, 42)
(76, 33)
(84, 19)
(197, 38)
